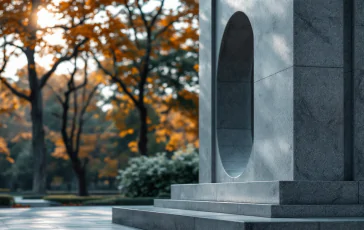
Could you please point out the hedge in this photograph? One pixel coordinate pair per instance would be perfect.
(121, 201)
(6, 200)
(153, 176)
(71, 199)
(32, 197)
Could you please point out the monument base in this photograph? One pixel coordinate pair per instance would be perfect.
(269, 205)
(156, 218)
(265, 210)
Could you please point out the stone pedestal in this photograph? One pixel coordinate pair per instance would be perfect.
(281, 114)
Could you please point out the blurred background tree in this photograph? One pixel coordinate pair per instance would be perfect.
(148, 50)
(141, 88)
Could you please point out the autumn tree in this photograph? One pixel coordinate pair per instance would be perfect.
(75, 102)
(132, 42)
(22, 34)
(178, 121)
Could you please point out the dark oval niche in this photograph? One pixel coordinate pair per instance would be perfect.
(235, 95)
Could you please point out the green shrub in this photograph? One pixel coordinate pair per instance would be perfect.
(6, 200)
(71, 199)
(121, 201)
(153, 176)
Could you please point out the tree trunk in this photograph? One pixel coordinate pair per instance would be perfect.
(143, 131)
(82, 181)
(38, 143)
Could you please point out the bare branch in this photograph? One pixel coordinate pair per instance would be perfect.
(115, 78)
(164, 29)
(81, 119)
(47, 75)
(5, 59)
(4, 81)
(56, 115)
(154, 19)
(16, 46)
(13, 90)
(106, 71)
(59, 98)
(131, 23)
(142, 15)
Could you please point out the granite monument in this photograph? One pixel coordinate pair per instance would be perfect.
(281, 120)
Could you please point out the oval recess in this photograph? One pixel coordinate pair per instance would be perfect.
(235, 95)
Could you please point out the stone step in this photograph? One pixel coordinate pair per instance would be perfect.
(264, 210)
(273, 192)
(156, 218)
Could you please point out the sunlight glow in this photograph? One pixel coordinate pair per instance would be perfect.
(46, 19)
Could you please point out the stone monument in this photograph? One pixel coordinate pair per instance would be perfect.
(281, 120)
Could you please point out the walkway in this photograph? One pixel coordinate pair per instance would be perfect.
(58, 218)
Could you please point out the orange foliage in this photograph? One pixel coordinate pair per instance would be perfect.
(130, 46)
(178, 127)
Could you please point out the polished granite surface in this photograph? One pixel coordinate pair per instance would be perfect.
(65, 218)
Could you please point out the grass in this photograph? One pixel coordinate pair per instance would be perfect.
(71, 199)
(119, 200)
(99, 200)
(4, 190)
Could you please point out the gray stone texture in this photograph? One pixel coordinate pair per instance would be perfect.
(274, 192)
(265, 210)
(272, 154)
(318, 124)
(206, 105)
(298, 91)
(319, 192)
(318, 33)
(151, 218)
(361, 192)
(341, 225)
(358, 90)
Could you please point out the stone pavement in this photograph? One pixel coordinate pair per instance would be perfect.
(58, 218)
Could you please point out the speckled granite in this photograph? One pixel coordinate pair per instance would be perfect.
(272, 192)
(155, 218)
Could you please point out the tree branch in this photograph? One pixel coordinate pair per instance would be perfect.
(47, 75)
(154, 19)
(117, 80)
(13, 90)
(164, 29)
(71, 88)
(81, 120)
(4, 81)
(142, 14)
(131, 23)
(16, 46)
(59, 98)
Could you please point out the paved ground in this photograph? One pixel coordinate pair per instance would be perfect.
(58, 218)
